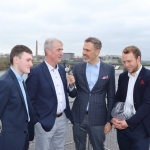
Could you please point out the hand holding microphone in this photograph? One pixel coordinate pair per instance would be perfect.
(71, 80)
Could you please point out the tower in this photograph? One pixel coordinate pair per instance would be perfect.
(36, 52)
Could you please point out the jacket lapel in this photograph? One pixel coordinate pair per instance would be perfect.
(17, 85)
(61, 74)
(102, 71)
(139, 78)
(125, 85)
(83, 69)
(48, 76)
(101, 74)
(63, 78)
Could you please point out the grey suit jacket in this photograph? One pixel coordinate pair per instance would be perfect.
(99, 109)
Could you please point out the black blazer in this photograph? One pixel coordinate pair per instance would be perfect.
(141, 97)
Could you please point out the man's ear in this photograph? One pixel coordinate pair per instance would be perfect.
(15, 59)
(48, 52)
(139, 59)
(97, 52)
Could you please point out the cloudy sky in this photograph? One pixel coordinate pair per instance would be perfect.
(117, 23)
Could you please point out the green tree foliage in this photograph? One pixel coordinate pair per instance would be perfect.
(4, 63)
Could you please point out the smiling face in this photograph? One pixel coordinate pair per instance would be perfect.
(22, 63)
(90, 54)
(54, 54)
(131, 63)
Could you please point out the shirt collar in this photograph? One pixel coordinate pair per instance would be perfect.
(137, 73)
(50, 67)
(96, 65)
(19, 78)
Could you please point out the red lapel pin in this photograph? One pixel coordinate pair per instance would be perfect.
(142, 82)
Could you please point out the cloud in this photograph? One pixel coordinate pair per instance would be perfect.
(116, 23)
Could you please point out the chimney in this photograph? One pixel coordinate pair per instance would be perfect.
(36, 53)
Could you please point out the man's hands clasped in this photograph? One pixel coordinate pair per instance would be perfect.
(119, 124)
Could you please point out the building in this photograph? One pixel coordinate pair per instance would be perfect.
(68, 56)
(111, 58)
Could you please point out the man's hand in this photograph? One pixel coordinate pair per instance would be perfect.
(71, 80)
(107, 128)
(119, 124)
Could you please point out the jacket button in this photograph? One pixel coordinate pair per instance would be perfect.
(25, 131)
(26, 120)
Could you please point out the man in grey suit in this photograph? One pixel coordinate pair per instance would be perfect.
(94, 80)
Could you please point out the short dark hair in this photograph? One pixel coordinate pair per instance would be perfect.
(132, 49)
(17, 51)
(96, 42)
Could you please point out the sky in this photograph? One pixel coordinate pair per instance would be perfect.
(117, 23)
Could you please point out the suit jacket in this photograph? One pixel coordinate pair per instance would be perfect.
(99, 110)
(141, 98)
(13, 114)
(43, 95)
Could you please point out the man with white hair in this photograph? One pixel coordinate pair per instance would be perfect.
(47, 87)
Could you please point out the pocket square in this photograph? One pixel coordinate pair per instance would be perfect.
(105, 77)
(142, 82)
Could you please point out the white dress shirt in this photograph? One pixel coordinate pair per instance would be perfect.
(131, 83)
(59, 88)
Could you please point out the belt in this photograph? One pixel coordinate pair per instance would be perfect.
(86, 112)
(58, 115)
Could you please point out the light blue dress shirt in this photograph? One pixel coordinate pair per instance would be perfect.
(92, 74)
(20, 80)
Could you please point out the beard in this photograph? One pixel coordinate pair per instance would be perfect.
(86, 59)
(134, 70)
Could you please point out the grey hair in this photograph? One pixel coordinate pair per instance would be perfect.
(49, 43)
(96, 42)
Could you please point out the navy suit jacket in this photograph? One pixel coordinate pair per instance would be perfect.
(99, 108)
(141, 98)
(13, 114)
(43, 96)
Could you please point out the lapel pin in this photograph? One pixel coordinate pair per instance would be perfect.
(142, 82)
